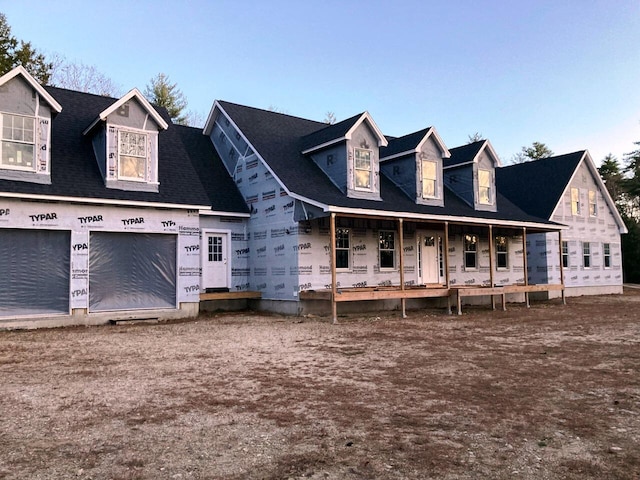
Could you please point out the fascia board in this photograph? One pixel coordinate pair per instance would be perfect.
(208, 125)
(487, 146)
(217, 213)
(324, 145)
(102, 201)
(438, 139)
(382, 140)
(20, 70)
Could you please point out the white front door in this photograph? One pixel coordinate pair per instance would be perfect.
(215, 273)
(429, 258)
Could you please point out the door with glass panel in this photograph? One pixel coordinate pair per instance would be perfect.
(215, 265)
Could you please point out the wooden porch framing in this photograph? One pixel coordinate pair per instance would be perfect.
(402, 292)
(230, 295)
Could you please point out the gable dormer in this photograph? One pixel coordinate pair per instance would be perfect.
(414, 163)
(470, 174)
(348, 153)
(125, 142)
(26, 111)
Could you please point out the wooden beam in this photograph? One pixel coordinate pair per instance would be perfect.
(564, 300)
(403, 300)
(229, 295)
(524, 263)
(334, 288)
(445, 254)
(491, 282)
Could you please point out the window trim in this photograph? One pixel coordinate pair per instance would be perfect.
(34, 144)
(356, 169)
(575, 202)
(586, 255)
(565, 254)
(593, 206)
(392, 250)
(343, 249)
(606, 255)
(466, 251)
(434, 179)
(504, 253)
(147, 157)
(487, 187)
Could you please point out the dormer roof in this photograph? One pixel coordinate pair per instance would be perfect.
(339, 132)
(470, 154)
(132, 94)
(412, 143)
(21, 71)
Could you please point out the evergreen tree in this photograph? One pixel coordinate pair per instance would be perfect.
(165, 94)
(14, 52)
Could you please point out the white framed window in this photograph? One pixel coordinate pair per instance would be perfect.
(575, 201)
(593, 204)
(343, 249)
(18, 142)
(363, 169)
(132, 155)
(565, 254)
(484, 187)
(470, 252)
(387, 249)
(502, 252)
(586, 254)
(606, 255)
(429, 179)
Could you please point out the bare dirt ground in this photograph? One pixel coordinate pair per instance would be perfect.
(548, 392)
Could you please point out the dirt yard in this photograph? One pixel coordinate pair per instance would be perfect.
(548, 392)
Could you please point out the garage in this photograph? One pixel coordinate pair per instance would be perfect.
(131, 271)
(35, 271)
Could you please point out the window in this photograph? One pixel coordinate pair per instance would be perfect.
(586, 255)
(429, 179)
(215, 249)
(363, 168)
(18, 142)
(342, 248)
(132, 155)
(387, 250)
(606, 252)
(502, 252)
(575, 201)
(484, 187)
(565, 254)
(471, 251)
(593, 206)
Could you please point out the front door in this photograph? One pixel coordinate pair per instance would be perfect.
(429, 256)
(215, 261)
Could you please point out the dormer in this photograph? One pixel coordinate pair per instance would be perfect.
(470, 174)
(125, 142)
(26, 111)
(348, 153)
(414, 163)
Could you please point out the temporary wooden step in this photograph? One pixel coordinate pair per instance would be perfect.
(229, 295)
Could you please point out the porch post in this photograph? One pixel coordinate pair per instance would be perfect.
(564, 300)
(493, 299)
(332, 245)
(524, 263)
(445, 255)
(403, 301)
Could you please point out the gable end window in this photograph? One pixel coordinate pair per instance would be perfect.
(132, 155)
(18, 142)
(363, 169)
(387, 250)
(575, 201)
(593, 205)
(484, 187)
(470, 252)
(565, 254)
(429, 179)
(502, 252)
(343, 248)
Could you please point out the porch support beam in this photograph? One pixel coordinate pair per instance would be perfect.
(334, 288)
(445, 256)
(564, 300)
(491, 266)
(403, 301)
(524, 264)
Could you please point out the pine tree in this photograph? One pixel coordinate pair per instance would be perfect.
(163, 93)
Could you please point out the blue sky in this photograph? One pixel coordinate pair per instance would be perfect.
(566, 73)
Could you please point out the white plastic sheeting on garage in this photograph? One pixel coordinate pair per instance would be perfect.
(34, 271)
(131, 271)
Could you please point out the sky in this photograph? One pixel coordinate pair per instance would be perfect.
(562, 72)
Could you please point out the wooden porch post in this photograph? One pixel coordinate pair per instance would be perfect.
(493, 299)
(445, 254)
(524, 263)
(403, 301)
(334, 289)
(564, 300)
